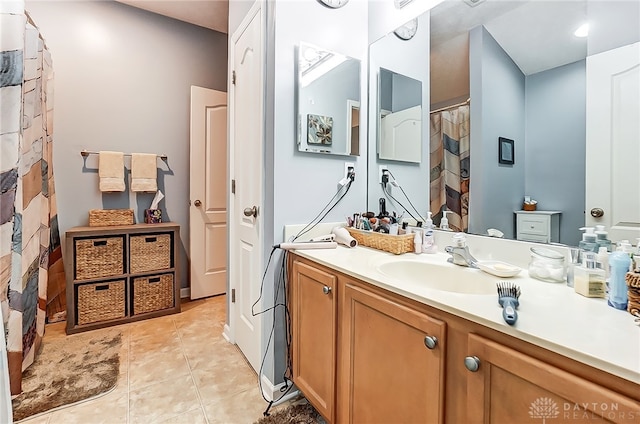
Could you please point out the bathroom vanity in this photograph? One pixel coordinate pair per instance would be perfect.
(369, 347)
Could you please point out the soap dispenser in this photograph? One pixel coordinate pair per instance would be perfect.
(444, 222)
(429, 222)
(588, 242)
(602, 238)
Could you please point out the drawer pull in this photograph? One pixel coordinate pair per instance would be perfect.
(102, 287)
(150, 239)
(100, 243)
(154, 280)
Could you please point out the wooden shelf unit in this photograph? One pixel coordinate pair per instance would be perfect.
(121, 234)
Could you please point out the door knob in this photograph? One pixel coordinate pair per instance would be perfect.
(326, 289)
(430, 342)
(251, 211)
(597, 213)
(472, 363)
(197, 203)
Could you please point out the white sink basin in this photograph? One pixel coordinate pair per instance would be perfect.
(445, 277)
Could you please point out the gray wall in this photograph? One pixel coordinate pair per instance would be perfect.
(122, 82)
(497, 110)
(555, 148)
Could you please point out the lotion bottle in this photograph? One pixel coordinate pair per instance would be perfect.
(588, 242)
(417, 241)
(620, 262)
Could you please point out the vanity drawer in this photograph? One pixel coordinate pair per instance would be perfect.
(537, 225)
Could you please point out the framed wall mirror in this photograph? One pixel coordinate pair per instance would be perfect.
(328, 101)
(400, 117)
(524, 81)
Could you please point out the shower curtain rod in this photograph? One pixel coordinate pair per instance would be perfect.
(86, 153)
(449, 107)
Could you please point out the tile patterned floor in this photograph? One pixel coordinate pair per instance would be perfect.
(173, 369)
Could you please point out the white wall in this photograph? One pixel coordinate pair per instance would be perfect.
(122, 82)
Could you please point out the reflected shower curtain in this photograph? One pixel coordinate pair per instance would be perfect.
(449, 166)
(30, 252)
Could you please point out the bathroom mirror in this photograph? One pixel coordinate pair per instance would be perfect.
(328, 101)
(488, 58)
(400, 117)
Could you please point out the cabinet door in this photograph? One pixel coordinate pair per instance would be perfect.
(511, 387)
(313, 322)
(388, 373)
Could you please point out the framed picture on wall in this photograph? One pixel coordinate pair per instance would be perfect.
(506, 154)
(319, 129)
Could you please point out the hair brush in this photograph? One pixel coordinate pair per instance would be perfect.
(508, 294)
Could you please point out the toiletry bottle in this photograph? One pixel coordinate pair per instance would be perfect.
(619, 262)
(602, 238)
(444, 222)
(417, 241)
(603, 260)
(575, 256)
(588, 241)
(429, 222)
(428, 242)
(588, 280)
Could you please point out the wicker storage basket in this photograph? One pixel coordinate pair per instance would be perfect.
(388, 243)
(99, 257)
(150, 252)
(152, 293)
(101, 301)
(109, 217)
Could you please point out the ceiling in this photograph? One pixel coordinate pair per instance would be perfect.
(538, 35)
(212, 14)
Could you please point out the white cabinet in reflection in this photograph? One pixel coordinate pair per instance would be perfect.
(538, 226)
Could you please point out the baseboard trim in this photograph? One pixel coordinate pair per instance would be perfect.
(185, 293)
(226, 333)
(272, 392)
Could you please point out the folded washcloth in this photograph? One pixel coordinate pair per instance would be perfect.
(111, 171)
(144, 172)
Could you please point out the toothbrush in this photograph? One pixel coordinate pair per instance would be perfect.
(508, 294)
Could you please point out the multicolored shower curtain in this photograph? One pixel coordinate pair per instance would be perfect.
(30, 252)
(449, 166)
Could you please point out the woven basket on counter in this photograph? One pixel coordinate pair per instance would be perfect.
(101, 301)
(152, 293)
(633, 292)
(388, 243)
(99, 257)
(150, 252)
(110, 217)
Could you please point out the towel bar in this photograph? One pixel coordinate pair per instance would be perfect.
(86, 153)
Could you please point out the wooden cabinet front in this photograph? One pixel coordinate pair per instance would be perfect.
(511, 387)
(392, 361)
(313, 318)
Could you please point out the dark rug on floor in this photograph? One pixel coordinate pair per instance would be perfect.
(294, 414)
(68, 370)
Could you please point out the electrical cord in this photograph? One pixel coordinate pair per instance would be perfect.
(281, 283)
(309, 226)
(384, 188)
(407, 197)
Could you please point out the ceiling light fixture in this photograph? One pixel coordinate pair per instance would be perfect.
(582, 31)
(473, 3)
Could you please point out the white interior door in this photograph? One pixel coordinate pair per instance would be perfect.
(400, 134)
(613, 141)
(246, 122)
(208, 192)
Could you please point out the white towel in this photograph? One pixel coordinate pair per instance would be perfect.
(111, 171)
(144, 172)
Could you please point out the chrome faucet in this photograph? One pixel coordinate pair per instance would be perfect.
(460, 254)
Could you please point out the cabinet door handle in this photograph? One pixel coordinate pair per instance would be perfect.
(326, 289)
(430, 342)
(472, 363)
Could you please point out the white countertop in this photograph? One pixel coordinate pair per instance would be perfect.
(550, 315)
